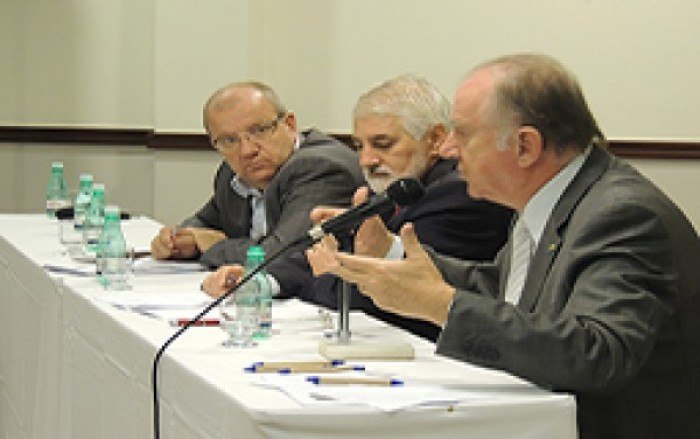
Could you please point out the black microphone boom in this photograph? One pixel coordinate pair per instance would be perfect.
(402, 192)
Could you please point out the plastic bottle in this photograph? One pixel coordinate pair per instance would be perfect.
(94, 219)
(57, 196)
(112, 261)
(260, 288)
(82, 200)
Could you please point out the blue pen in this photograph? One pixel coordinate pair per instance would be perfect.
(298, 363)
(67, 270)
(302, 368)
(349, 380)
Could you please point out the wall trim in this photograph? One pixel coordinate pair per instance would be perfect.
(70, 135)
(629, 148)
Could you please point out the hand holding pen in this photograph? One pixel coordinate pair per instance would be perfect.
(222, 280)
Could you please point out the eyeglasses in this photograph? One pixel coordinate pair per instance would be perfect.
(256, 133)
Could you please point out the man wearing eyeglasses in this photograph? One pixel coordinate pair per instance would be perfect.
(270, 179)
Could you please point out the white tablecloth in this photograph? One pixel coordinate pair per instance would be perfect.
(74, 366)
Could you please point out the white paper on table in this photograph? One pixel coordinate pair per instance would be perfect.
(148, 265)
(385, 398)
(163, 306)
(156, 301)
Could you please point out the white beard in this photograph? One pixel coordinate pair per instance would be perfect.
(381, 177)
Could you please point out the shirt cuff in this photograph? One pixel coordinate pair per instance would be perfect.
(396, 251)
(274, 285)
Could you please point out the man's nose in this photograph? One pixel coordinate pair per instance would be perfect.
(249, 146)
(368, 157)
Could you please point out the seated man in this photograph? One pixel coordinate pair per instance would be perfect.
(269, 181)
(399, 128)
(597, 292)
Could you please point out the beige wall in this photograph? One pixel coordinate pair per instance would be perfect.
(151, 63)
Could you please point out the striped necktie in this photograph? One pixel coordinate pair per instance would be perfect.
(519, 262)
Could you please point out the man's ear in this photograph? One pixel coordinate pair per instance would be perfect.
(435, 137)
(290, 120)
(530, 146)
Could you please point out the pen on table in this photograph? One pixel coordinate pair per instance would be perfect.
(304, 369)
(67, 270)
(347, 380)
(201, 322)
(328, 363)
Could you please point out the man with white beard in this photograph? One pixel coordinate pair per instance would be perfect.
(398, 130)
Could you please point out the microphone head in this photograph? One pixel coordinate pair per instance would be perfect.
(405, 191)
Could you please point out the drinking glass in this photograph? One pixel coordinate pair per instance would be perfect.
(239, 320)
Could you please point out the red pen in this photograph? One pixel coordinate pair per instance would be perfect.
(202, 322)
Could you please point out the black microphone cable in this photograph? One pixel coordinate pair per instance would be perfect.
(403, 192)
(154, 374)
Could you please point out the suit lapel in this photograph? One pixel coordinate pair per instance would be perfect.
(553, 235)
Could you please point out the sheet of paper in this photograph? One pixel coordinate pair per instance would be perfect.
(385, 398)
(148, 265)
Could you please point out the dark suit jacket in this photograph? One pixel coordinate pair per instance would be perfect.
(446, 218)
(321, 171)
(610, 310)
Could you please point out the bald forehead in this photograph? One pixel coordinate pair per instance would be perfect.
(234, 96)
(472, 95)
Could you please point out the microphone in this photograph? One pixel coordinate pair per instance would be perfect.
(402, 192)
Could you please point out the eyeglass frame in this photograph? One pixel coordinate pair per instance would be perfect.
(257, 132)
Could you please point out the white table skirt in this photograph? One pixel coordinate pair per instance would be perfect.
(73, 366)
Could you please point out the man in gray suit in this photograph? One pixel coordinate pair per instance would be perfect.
(596, 293)
(267, 185)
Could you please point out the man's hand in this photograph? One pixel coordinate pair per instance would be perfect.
(320, 256)
(174, 243)
(372, 237)
(222, 280)
(206, 238)
(412, 286)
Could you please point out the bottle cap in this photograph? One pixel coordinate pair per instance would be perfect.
(111, 212)
(85, 178)
(57, 165)
(256, 254)
(98, 187)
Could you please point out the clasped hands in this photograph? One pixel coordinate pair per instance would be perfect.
(183, 242)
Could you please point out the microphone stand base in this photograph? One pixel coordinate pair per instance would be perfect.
(375, 350)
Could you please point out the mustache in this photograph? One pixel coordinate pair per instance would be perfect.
(378, 171)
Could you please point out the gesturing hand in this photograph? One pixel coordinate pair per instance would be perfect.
(412, 286)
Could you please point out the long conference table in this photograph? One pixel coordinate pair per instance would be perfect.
(76, 364)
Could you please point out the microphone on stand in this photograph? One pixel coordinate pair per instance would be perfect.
(402, 192)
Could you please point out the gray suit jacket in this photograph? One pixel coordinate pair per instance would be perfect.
(610, 310)
(321, 171)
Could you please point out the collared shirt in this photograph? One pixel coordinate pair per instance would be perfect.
(539, 208)
(258, 222)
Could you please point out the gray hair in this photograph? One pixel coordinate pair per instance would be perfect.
(417, 102)
(267, 91)
(536, 90)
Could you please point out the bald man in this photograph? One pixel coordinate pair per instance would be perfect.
(270, 179)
